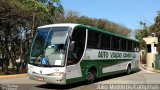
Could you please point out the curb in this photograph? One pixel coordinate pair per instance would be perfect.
(12, 76)
(152, 70)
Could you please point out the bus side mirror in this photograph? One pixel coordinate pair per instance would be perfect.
(72, 45)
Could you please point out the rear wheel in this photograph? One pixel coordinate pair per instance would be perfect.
(129, 69)
(91, 76)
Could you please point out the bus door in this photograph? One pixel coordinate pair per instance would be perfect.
(75, 53)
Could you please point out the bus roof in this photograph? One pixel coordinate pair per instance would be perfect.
(74, 25)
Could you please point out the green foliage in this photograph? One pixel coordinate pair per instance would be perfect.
(17, 19)
(30, 5)
(140, 34)
(74, 17)
(148, 30)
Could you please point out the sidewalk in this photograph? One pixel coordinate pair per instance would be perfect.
(12, 76)
(144, 66)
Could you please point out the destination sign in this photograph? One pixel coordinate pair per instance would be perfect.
(116, 55)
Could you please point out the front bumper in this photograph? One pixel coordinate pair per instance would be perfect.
(48, 79)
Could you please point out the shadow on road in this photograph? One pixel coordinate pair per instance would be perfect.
(115, 76)
(74, 85)
(55, 86)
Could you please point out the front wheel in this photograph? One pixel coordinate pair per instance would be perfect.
(91, 76)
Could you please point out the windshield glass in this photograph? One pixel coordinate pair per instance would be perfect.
(48, 48)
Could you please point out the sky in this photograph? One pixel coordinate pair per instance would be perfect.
(128, 13)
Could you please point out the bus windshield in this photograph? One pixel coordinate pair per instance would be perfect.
(49, 47)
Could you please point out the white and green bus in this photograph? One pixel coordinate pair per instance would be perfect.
(68, 53)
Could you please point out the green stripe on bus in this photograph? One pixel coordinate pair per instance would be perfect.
(99, 64)
(79, 79)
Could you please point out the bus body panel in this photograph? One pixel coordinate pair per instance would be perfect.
(73, 71)
(107, 61)
(105, 67)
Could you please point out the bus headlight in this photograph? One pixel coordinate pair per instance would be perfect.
(57, 74)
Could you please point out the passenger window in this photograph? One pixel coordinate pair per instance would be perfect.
(93, 39)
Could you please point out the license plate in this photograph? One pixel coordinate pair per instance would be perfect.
(40, 79)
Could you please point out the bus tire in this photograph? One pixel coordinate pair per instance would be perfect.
(91, 76)
(128, 69)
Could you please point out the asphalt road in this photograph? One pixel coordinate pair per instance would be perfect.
(137, 78)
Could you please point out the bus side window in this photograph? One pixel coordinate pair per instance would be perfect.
(123, 44)
(115, 43)
(93, 39)
(105, 41)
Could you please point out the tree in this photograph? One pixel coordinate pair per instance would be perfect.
(103, 24)
(18, 19)
(148, 30)
(155, 28)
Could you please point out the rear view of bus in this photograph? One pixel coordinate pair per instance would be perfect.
(47, 55)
